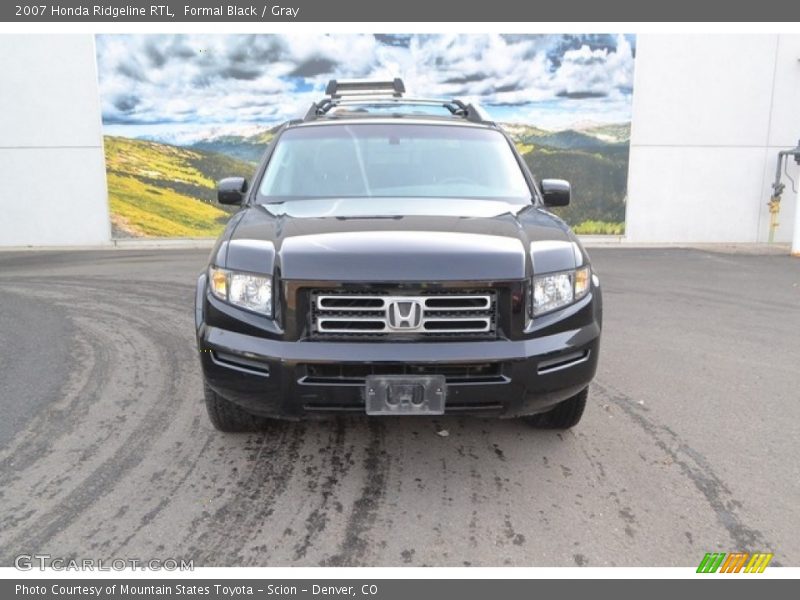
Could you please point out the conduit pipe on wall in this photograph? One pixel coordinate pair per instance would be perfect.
(775, 201)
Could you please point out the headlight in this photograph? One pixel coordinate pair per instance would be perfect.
(555, 290)
(245, 290)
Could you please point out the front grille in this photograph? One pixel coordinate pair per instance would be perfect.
(356, 374)
(457, 313)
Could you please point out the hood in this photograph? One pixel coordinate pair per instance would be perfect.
(393, 239)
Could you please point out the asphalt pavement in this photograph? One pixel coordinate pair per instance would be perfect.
(689, 443)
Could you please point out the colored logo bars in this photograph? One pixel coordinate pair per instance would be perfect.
(734, 562)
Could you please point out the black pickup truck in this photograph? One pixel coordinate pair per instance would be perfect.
(395, 256)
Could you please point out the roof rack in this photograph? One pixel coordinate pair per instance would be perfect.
(339, 88)
(361, 92)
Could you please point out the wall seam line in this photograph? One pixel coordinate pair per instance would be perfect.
(769, 131)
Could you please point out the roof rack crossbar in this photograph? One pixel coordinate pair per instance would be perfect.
(356, 92)
(388, 100)
(338, 88)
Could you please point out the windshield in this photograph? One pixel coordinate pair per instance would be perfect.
(393, 160)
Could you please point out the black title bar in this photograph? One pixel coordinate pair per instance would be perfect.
(401, 11)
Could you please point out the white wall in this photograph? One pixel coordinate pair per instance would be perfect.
(52, 171)
(710, 113)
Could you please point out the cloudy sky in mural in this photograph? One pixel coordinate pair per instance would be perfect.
(162, 86)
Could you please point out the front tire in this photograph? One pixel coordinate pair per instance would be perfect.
(563, 415)
(228, 417)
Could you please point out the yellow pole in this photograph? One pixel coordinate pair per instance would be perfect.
(774, 208)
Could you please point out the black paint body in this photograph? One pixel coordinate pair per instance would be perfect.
(275, 367)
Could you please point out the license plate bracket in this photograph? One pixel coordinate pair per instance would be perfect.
(405, 394)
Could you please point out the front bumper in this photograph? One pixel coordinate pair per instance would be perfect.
(298, 379)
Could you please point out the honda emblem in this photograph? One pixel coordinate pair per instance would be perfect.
(404, 315)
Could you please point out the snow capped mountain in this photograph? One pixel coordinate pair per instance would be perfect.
(194, 135)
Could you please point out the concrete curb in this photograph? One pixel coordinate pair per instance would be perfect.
(128, 243)
(123, 244)
(721, 247)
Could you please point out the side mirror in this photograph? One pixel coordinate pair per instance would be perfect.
(556, 192)
(231, 190)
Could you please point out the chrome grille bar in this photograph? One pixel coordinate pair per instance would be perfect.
(349, 302)
(434, 314)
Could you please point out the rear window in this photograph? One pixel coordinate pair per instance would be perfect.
(393, 160)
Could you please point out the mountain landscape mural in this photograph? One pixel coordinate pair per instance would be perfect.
(182, 111)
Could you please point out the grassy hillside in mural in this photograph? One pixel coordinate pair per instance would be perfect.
(594, 160)
(599, 183)
(158, 190)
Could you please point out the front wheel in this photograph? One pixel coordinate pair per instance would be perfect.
(563, 415)
(228, 417)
